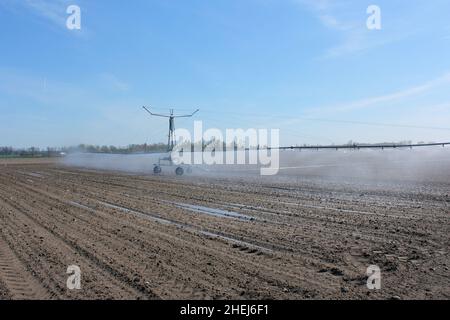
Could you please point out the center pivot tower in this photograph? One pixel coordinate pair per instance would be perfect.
(167, 161)
(171, 116)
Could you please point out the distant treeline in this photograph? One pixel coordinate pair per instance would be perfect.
(406, 142)
(132, 148)
(34, 152)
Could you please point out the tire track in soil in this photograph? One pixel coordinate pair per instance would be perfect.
(18, 282)
(139, 290)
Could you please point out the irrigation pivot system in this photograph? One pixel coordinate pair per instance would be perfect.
(167, 161)
(361, 146)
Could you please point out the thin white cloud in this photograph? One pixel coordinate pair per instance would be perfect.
(395, 96)
(38, 88)
(349, 26)
(52, 11)
(333, 23)
(114, 82)
(358, 40)
(324, 10)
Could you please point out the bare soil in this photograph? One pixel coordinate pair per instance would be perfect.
(138, 236)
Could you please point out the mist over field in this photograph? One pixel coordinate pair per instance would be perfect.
(420, 164)
(138, 163)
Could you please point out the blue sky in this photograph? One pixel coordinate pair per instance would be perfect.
(308, 67)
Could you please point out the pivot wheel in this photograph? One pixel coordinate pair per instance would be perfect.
(179, 171)
(157, 169)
